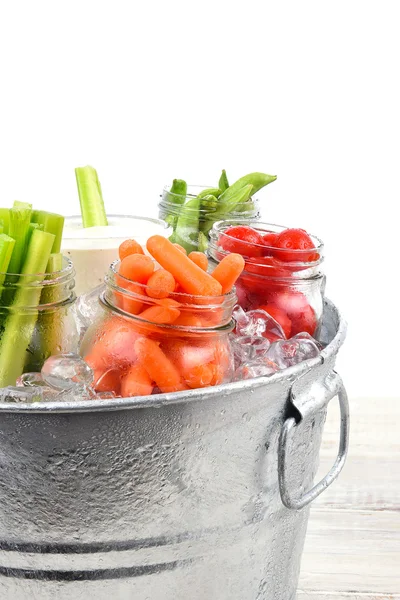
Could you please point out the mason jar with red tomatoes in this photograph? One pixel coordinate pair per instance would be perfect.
(282, 272)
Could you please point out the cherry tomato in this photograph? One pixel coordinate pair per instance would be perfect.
(299, 311)
(267, 266)
(296, 240)
(269, 240)
(280, 316)
(242, 240)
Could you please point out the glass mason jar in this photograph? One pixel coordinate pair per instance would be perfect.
(36, 320)
(93, 249)
(141, 345)
(192, 221)
(288, 284)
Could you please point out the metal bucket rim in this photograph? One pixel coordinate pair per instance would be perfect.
(156, 401)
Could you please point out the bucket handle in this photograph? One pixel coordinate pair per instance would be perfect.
(289, 424)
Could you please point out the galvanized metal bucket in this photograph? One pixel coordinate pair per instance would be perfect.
(194, 496)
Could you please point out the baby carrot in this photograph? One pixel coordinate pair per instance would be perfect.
(181, 248)
(114, 345)
(107, 381)
(136, 267)
(162, 315)
(228, 271)
(199, 376)
(159, 368)
(129, 247)
(130, 305)
(199, 259)
(136, 382)
(188, 320)
(191, 278)
(160, 284)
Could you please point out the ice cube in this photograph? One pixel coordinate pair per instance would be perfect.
(66, 372)
(247, 348)
(259, 323)
(240, 317)
(306, 336)
(87, 308)
(21, 395)
(77, 394)
(261, 368)
(287, 353)
(30, 380)
(105, 395)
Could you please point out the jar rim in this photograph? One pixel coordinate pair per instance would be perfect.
(219, 228)
(227, 298)
(176, 207)
(71, 219)
(227, 327)
(43, 279)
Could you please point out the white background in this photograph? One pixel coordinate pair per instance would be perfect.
(149, 91)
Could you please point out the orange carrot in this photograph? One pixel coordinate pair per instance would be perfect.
(113, 346)
(107, 381)
(191, 278)
(136, 267)
(228, 271)
(218, 375)
(130, 305)
(181, 248)
(199, 259)
(161, 284)
(188, 320)
(160, 314)
(199, 376)
(159, 368)
(129, 247)
(136, 382)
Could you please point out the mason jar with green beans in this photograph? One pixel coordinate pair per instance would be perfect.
(192, 210)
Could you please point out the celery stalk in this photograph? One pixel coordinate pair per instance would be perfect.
(1, 226)
(20, 218)
(90, 197)
(6, 248)
(52, 223)
(48, 336)
(5, 217)
(20, 323)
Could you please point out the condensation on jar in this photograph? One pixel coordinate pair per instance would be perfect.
(142, 345)
(286, 283)
(36, 320)
(192, 218)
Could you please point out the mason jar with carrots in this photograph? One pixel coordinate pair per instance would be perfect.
(165, 322)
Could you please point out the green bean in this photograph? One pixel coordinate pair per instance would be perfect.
(178, 191)
(223, 182)
(257, 180)
(224, 208)
(187, 228)
(210, 192)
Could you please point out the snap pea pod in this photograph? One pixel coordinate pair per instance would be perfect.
(210, 192)
(187, 227)
(223, 182)
(178, 191)
(223, 208)
(257, 180)
(208, 205)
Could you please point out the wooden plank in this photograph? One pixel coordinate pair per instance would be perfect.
(352, 548)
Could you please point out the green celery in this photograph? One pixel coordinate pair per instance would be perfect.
(6, 249)
(90, 197)
(48, 337)
(22, 315)
(20, 218)
(5, 217)
(1, 226)
(52, 223)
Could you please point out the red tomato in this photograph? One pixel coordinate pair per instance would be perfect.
(242, 240)
(269, 239)
(280, 316)
(299, 311)
(267, 266)
(296, 240)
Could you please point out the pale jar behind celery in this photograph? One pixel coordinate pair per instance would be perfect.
(192, 210)
(92, 240)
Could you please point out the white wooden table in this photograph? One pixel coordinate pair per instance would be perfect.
(352, 549)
